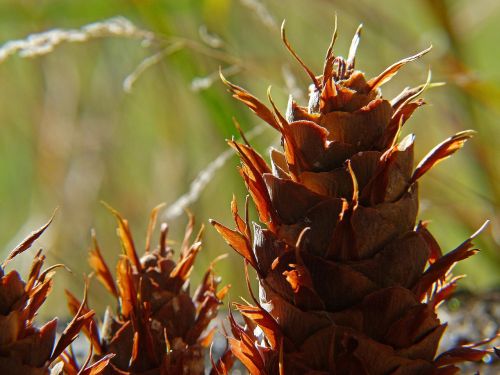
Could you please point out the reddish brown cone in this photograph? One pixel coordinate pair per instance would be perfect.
(25, 348)
(348, 281)
(159, 327)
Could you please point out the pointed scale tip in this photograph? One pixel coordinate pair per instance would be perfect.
(283, 23)
(334, 36)
(299, 60)
(223, 79)
(482, 228)
(351, 59)
(28, 241)
(391, 71)
(251, 102)
(329, 58)
(406, 142)
(442, 151)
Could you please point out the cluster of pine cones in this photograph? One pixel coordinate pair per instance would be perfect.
(349, 281)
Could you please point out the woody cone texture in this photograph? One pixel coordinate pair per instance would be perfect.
(159, 327)
(25, 348)
(348, 280)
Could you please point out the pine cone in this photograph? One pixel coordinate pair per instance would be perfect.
(25, 348)
(348, 281)
(159, 327)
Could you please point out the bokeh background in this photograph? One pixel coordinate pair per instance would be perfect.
(72, 135)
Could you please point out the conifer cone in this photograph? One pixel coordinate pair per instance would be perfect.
(348, 280)
(159, 327)
(24, 348)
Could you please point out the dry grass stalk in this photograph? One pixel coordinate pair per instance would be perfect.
(45, 42)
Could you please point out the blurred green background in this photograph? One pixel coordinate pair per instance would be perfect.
(71, 136)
